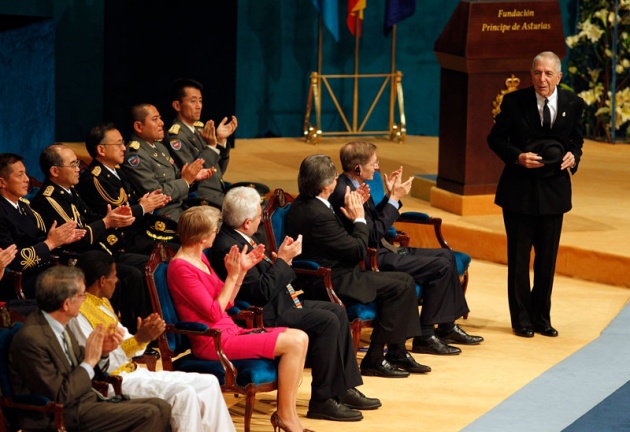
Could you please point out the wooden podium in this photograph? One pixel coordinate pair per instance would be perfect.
(485, 46)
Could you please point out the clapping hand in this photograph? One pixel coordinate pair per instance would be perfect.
(353, 205)
(6, 256)
(364, 191)
(289, 249)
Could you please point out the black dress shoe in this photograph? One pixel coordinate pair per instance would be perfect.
(546, 331)
(433, 346)
(383, 369)
(458, 336)
(356, 400)
(523, 331)
(330, 409)
(408, 363)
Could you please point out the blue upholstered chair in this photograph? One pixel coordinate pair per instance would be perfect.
(274, 217)
(246, 377)
(12, 404)
(462, 259)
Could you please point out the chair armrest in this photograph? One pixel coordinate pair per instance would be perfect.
(372, 258)
(200, 329)
(16, 280)
(102, 381)
(311, 268)
(247, 316)
(38, 404)
(425, 219)
(252, 315)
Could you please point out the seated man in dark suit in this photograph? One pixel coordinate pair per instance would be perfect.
(104, 184)
(24, 228)
(190, 139)
(435, 270)
(326, 242)
(45, 359)
(268, 284)
(149, 166)
(58, 201)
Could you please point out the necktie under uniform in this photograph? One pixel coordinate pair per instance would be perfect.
(292, 293)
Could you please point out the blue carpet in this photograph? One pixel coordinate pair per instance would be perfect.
(611, 414)
(566, 392)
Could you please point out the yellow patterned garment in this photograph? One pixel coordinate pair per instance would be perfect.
(95, 310)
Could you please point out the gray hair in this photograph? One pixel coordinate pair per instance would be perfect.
(549, 55)
(57, 284)
(316, 172)
(240, 203)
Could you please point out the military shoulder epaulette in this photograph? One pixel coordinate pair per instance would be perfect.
(174, 129)
(198, 124)
(24, 200)
(49, 191)
(96, 171)
(134, 145)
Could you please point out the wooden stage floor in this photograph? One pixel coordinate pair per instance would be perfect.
(462, 388)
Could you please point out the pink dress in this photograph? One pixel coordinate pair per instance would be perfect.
(194, 292)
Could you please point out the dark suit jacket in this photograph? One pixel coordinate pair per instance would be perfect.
(186, 146)
(326, 241)
(264, 285)
(38, 365)
(523, 190)
(55, 204)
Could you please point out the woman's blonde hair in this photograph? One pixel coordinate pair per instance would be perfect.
(196, 223)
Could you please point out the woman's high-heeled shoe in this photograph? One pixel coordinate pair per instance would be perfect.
(277, 422)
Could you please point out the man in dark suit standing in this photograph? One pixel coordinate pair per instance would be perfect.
(45, 359)
(435, 270)
(326, 242)
(534, 190)
(268, 284)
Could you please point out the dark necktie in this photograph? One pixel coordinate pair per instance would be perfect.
(546, 116)
(290, 288)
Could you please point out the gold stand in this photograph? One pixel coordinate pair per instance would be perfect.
(395, 131)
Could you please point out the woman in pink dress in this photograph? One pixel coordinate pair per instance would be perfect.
(199, 295)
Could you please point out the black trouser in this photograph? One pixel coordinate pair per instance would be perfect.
(531, 307)
(330, 349)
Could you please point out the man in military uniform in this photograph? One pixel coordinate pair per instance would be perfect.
(22, 226)
(190, 139)
(58, 201)
(149, 166)
(103, 183)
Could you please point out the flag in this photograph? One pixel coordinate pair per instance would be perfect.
(355, 9)
(329, 10)
(396, 11)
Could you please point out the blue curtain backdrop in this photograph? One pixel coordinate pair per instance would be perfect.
(28, 80)
(277, 51)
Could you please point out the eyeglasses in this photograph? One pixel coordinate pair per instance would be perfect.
(75, 164)
(82, 295)
(120, 144)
